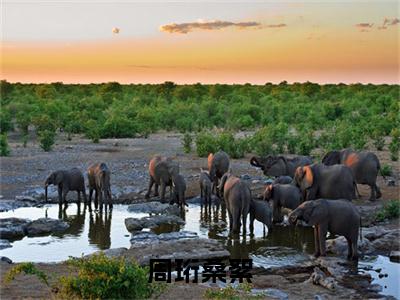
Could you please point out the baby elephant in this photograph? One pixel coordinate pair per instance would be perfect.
(205, 186)
(67, 180)
(282, 195)
(99, 181)
(179, 189)
(237, 197)
(336, 216)
(260, 211)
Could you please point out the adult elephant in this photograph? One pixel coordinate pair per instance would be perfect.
(161, 170)
(279, 165)
(218, 165)
(364, 165)
(67, 180)
(237, 198)
(329, 182)
(99, 181)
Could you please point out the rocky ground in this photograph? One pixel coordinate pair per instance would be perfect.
(21, 184)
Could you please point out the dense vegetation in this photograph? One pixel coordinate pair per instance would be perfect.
(293, 118)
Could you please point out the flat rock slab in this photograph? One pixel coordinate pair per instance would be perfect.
(13, 228)
(134, 224)
(6, 205)
(152, 238)
(45, 226)
(4, 244)
(154, 207)
(394, 256)
(201, 249)
(339, 246)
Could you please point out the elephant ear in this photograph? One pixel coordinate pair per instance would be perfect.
(58, 177)
(221, 185)
(285, 162)
(331, 158)
(316, 214)
(298, 176)
(308, 177)
(209, 161)
(268, 193)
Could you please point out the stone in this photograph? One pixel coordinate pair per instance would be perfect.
(115, 252)
(12, 228)
(133, 224)
(320, 278)
(46, 226)
(391, 182)
(5, 259)
(394, 256)
(6, 205)
(154, 207)
(388, 242)
(4, 244)
(152, 238)
(201, 249)
(339, 246)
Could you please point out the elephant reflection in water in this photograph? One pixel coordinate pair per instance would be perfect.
(238, 247)
(76, 222)
(213, 217)
(100, 229)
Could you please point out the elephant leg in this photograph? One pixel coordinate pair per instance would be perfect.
(355, 249)
(235, 220)
(90, 194)
(372, 197)
(378, 191)
(244, 221)
(316, 241)
(149, 189)
(201, 193)
(322, 231)
(156, 185)
(60, 197)
(100, 192)
(79, 197)
(163, 187)
(252, 223)
(96, 198)
(230, 220)
(64, 196)
(349, 248)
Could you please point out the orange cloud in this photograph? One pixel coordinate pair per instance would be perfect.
(389, 22)
(364, 25)
(184, 28)
(276, 25)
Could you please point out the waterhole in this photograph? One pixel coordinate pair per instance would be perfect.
(92, 231)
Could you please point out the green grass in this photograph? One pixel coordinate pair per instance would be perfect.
(390, 210)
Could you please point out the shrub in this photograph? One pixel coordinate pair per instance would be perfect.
(92, 131)
(262, 142)
(378, 140)
(394, 145)
(5, 121)
(46, 139)
(187, 140)
(26, 268)
(25, 140)
(306, 143)
(205, 144)
(390, 210)
(100, 277)
(4, 148)
(386, 170)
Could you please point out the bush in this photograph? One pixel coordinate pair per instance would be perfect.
(26, 268)
(378, 140)
(394, 145)
(386, 170)
(306, 143)
(46, 139)
(100, 277)
(4, 148)
(262, 142)
(390, 210)
(5, 121)
(205, 144)
(92, 131)
(187, 140)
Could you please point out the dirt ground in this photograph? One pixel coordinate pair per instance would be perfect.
(27, 168)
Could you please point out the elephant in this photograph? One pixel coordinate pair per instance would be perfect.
(283, 180)
(260, 211)
(218, 165)
(205, 186)
(282, 195)
(330, 182)
(237, 198)
(67, 180)
(179, 189)
(99, 181)
(280, 165)
(364, 165)
(161, 170)
(336, 216)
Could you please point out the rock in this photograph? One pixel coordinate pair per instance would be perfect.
(152, 238)
(339, 246)
(133, 224)
(45, 226)
(388, 242)
(11, 228)
(391, 182)
(4, 244)
(115, 252)
(375, 288)
(318, 277)
(201, 249)
(5, 259)
(25, 198)
(154, 207)
(394, 256)
(373, 233)
(255, 181)
(245, 177)
(6, 205)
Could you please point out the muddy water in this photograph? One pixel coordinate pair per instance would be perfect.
(89, 232)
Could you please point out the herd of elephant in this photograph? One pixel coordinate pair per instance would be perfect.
(319, 194)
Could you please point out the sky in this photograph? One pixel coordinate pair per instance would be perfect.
(194, 41)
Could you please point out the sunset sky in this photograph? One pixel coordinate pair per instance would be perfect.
(200, 41)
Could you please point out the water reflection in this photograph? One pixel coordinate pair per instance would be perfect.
(100, 229)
